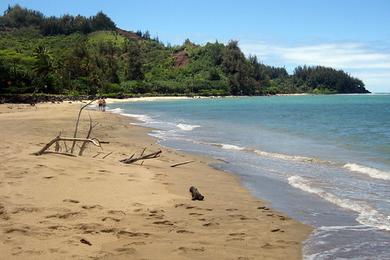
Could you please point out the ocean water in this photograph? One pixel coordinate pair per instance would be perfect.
(323, 160)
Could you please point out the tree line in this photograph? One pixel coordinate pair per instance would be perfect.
(18, 17)
(79, 55)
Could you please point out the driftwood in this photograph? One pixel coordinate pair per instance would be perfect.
(182, 163)
(77, 125)
(61, 153)
(106, 155)
(96, 155)
(196, 194)
(131, 159)
(84, 145)
(94, 141)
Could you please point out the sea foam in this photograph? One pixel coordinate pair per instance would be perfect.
(367, 215)
(372, 172)
(143, 118)
(231, 147)
(115, 110)
(186, 127)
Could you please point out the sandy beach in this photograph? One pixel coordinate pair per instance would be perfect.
(51, 204)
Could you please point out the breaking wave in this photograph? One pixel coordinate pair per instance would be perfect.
(186, 127)
(367, 215)
(372, 172)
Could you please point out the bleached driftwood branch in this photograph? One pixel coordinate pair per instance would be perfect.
(182, 163)
(77, 124)
(84, 145)
(94, 141)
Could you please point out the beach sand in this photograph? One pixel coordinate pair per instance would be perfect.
(50, 203)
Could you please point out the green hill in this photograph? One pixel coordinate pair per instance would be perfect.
(76, 55)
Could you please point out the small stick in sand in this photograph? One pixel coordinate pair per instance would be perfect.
(107, 155)
(96, 154)
(182, 163)
(143, 151)
(143, 157)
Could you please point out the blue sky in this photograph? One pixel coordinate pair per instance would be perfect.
(353, 35)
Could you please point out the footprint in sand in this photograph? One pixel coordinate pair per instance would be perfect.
(269, 246)
(195, 214)
(111, 219)
(211, 224)
(163, 222)
(137, 243)
(287, 242)
(239, 216)
(116, 212)
(25, 210)
(68, 215)
(236, 236)
(58, 227)
(4, 215)
(92, 207)
(71, 201)
(184, 249)
(126, 250)
(183, 231)
(85, 179)
(89, 228)
(124, 233)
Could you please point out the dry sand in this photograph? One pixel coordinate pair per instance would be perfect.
(49, 203)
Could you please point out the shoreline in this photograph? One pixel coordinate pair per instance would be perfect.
(150, 203)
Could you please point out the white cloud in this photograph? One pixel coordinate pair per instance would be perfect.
(358, 59)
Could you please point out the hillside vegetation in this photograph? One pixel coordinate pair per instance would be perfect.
(76, 55)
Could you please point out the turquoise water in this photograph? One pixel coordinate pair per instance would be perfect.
(324, 160)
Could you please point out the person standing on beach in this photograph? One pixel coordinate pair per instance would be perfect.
(103, 104)
(100, 103)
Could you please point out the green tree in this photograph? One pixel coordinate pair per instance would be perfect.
(133, 61)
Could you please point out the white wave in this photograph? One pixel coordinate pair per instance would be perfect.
(232, 147)
(367, 215)
(372, 172)
(115, 110)
(287, 157)
(143, 118)
(186, 127)
(350, 228)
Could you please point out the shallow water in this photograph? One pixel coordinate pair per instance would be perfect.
(324, 160)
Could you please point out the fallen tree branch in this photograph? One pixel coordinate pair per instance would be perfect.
(77, 124)
(143, 157)
(84, 145)
(61, 153)
(182, 163)
(94, 141)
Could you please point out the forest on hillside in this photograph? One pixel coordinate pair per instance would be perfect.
(77, 55)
